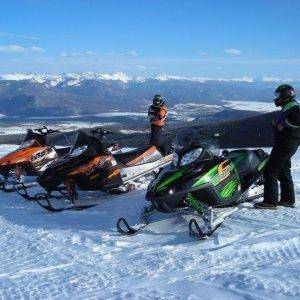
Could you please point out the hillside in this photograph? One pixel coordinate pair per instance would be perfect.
(35, 95)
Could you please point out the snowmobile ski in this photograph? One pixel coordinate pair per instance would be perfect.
(50, 208)
(121, 223)
(125, 229)
(199, 232)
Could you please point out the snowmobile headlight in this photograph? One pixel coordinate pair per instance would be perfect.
(190, 157)
(175, 159)
(77, 151)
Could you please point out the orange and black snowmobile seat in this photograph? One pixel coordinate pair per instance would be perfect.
(139, 156)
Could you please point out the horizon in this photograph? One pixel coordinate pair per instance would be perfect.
(210, 39)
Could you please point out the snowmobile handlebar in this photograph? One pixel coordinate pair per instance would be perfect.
(45, 131)
(100, 131)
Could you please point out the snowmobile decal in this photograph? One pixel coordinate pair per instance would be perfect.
(224, 170)
(262, 165)
(171, 179)
(207, 177)
(229, 188)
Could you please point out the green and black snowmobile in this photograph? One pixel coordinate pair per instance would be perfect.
(203, 180)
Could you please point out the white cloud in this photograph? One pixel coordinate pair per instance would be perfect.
(19, 49)
(233, 51)
(91, 53)
(133, 53)
(18, 36)
(142, 67)
(36, 49)
(79, 54)
(201, 53)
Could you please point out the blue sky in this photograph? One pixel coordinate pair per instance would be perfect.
(148, 37)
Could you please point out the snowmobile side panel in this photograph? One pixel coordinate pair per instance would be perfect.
(131, 173)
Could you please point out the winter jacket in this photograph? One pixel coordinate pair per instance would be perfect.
(157, 115)
(289, 118)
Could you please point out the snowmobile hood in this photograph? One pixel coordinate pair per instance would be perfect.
(58, 171)
(171, 185)
(19, 156)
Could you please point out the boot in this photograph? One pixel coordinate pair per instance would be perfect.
(263, 205)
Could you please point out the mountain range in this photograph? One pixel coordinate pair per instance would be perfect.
(32, 95)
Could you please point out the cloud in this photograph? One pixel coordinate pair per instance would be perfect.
(233, 51)
(201, 53)
(133, 53)
(20, 49)
(142, 67)
(18, 36)
(79, 54)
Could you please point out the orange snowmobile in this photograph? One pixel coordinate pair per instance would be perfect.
(30, 159)
(91, 167)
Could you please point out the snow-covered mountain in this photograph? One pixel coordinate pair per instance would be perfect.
(119, 76)
(90, 92)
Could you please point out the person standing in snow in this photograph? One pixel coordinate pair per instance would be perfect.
(287, 138)
(157, 113)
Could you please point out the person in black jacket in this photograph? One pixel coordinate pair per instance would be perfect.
(287, 137)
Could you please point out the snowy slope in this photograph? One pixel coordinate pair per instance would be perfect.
(75, 255)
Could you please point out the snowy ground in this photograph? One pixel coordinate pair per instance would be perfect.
(75, 255)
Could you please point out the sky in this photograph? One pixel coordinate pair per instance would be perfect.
(203, 38)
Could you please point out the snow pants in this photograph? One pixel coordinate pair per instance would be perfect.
(277, 169)
(155, 135)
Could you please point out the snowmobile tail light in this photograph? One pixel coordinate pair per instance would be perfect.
(190, 157)
(77, 151)
(175, 159)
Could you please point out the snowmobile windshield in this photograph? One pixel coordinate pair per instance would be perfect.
(33, 139)
(191, 146)
(85, 144)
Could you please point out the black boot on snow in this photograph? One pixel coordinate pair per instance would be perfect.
(287, 204)
(263, 205)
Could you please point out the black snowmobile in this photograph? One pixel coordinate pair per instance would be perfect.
(203, 180)
(90, 166)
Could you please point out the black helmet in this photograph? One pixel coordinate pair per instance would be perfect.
(284, 93)
(158, 100)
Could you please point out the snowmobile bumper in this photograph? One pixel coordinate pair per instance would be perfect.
(168, 202)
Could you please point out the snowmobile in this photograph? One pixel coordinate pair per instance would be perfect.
(30, 159)
(91, 167)
(202, 180)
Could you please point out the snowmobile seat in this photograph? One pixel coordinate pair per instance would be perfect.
(139, 156)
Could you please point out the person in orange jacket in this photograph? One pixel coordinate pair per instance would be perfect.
(157, 113)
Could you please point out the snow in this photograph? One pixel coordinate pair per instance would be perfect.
(251, 105)
(130, 131)
(61, 126)
(79, 255)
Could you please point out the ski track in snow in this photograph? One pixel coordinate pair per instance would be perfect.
(74, 255)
